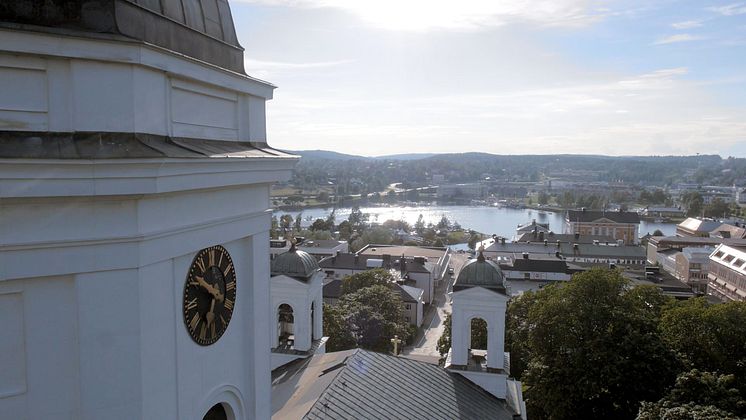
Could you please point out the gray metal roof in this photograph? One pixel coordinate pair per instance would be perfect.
(202, 29)
(379, 386)
(99, 145)
(480, 272)
(295, 263)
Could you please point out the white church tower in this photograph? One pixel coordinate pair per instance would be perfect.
(296, 288)
(479, 296)
(134, 213)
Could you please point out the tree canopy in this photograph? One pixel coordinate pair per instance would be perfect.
(369, 313)
(599, 348)
(597, 335)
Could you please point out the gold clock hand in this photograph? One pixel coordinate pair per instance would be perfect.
(210, 316)
(210, 289)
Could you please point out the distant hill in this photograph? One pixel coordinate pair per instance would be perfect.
(407, 156)
(324, 154)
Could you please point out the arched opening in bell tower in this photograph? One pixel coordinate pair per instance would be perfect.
(285, 326)
(313, 315)
(478, 341)
(217, 412)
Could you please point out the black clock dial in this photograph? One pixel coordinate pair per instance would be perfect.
(209, 295)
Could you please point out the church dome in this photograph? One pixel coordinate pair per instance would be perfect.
(295, 263)
(480, 272)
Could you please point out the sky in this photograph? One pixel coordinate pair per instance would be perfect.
(385, 77)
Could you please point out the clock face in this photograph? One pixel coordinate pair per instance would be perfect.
(209, 295)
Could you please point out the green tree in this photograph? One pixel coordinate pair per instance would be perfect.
(375, 315)
(718, 208)
(543, 197)
(698, 395)
(693, 203)
(319, 224)
(297, 224)
(368, 278)
(708, 337)
(336, 328)
(444, 223)
(596, 334)
(345, 230)
(379, 235)
(419, 226)
(274, 229)
(357, 219)
(286, 221)
(444, 342)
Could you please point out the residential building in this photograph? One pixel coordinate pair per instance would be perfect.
(727, 273)
(319, 248)
(579, 253)
(727, 231)
(692, 265)
(416, 270)
(663, 212)
(656, 244)
(461, 191)
(576, 238)
(693, 226)
(620, 225)
(135, 173)
(435, 259)
(532, 228)
(412, 299)
(538, 268)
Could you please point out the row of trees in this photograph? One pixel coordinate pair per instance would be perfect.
(369, 313)
(356, 230)
(597, 347)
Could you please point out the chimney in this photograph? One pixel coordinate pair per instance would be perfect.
(525, 255)
(502, 241)
(541, 236)
(403, 266)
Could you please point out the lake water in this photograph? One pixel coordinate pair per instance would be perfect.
(489, 220)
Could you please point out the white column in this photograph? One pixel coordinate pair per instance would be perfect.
(459, 343)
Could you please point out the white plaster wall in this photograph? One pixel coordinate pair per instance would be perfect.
(40, 361)
(425, 282)
(494, 383)
(65, 93)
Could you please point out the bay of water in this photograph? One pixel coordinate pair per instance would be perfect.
(490, 220)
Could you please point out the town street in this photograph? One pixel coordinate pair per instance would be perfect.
(426, 342)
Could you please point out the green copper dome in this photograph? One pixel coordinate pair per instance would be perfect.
(295, 263)
(480, 272)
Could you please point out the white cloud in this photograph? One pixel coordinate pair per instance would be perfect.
(423, 15)
(658, 112)
(280, 65)
(678, 38)
(730, 9)
(687, 24)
